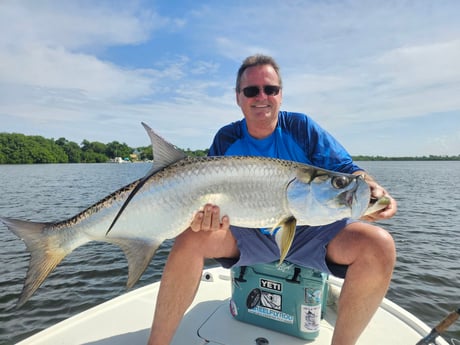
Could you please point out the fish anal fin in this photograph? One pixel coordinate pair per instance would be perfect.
(139, 253)
(285, 236)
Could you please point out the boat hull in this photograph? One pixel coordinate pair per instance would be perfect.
(127, 320)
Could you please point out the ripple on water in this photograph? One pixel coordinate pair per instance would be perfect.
(426, 231)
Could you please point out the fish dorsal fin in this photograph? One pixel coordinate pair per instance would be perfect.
(164, 154)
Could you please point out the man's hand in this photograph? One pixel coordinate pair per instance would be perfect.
(208, 219)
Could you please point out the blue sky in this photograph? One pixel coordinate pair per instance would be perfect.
(381, 76)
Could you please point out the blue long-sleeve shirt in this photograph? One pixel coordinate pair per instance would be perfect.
(296, 137)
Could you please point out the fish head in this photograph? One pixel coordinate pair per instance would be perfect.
(319, 197)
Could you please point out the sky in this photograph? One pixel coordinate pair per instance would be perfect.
(382, 76)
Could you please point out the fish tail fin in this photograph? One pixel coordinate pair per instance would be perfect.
(45, 253)
(285, 236)
(138, 253)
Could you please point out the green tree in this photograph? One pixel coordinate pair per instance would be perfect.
(93, 152)
(94, 146)
(71, 148)
(22, 149)
(145, 153)
(45, 150)
(115, 149)
(93, 157)
(196, 153)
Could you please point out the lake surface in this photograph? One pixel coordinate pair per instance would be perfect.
(426, 230)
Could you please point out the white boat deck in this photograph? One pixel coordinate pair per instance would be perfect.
(127, 320)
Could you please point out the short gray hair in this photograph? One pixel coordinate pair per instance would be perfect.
(256, 60)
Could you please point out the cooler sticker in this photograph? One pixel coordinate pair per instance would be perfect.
(233, 308)
(268, 305)
(272, 314)
(253, 298)
(310, 317)
(313, 296)
(285, 267)
(271, 300)
(270, 284)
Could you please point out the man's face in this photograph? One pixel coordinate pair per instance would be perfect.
(261, 111)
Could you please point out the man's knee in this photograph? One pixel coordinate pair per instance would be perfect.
(363, 241)
(380, 248)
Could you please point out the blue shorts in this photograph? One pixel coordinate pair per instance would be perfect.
(308, 247)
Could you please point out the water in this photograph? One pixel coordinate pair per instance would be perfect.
(426, 230)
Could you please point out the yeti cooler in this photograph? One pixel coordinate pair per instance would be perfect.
(286, 298)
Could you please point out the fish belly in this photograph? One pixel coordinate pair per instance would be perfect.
(252, 194)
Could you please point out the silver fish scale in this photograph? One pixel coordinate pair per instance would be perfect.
(250, 190)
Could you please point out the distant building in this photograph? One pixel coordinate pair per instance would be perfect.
(118, 160)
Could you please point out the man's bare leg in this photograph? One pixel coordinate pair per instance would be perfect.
(183, 270)
(370, 253)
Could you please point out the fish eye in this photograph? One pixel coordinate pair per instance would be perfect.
(340, 182)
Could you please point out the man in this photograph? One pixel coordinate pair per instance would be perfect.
(366, 253)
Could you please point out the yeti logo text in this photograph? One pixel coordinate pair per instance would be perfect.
(272, 285)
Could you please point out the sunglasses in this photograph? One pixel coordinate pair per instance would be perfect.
(269, 90)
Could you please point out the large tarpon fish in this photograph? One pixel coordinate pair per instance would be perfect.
(254, 192)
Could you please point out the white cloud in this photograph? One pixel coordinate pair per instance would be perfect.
(74, 25)
(60, 69)
(404, 82)
(348, 64)
(422, 66)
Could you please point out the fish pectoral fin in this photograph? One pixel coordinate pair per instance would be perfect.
(285, 236)
(139, 253)
(45, 253)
